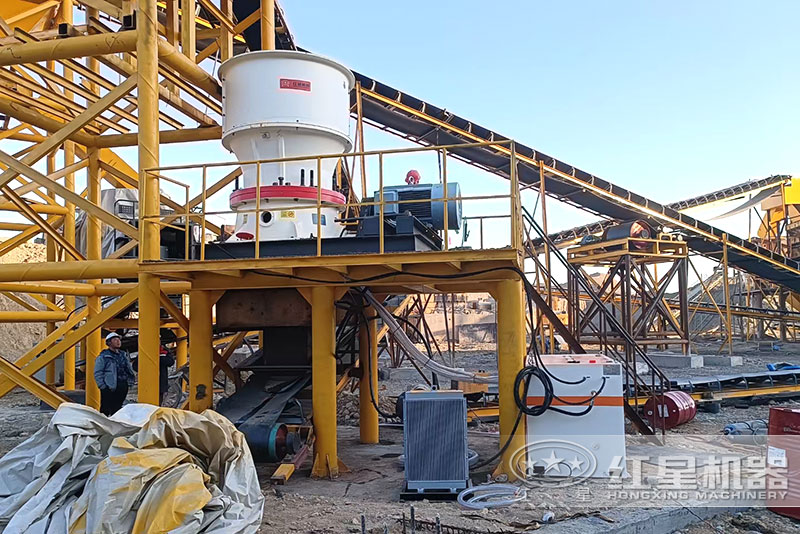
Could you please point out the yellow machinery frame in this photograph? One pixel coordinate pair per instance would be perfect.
(162, 81)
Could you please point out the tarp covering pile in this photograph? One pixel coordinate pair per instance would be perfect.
(146, 470)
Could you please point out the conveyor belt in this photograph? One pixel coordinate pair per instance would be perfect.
(418, 121)
(745, 381)
(708, 198)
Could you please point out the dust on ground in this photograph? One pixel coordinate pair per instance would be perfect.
(373, 485)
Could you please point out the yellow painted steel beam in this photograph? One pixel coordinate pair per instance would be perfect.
(41, 391)
(106, 7)
(70, 47)
(184, 135)
(74, 337)
(36, 207)
(216, 12)
(188, 69)
(37, 219)
(124, 68)
(76, 270)
(26, 115)
(510, 361)
(368, 385)
(31, 316)
(94, 238)
(61, 173)
(49, 288)
(36, 9)
(45, 302)
(86, 205)
(149, 199)
(201, 379)
(267, 24)
(323, 383)
(22, 302)
(175, 312)
(188, 28)
(238, 29)
(68, 129)
(168, 287)
(24, 236)
(471, 260)
(52, 337)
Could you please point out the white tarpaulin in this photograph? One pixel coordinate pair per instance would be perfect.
(146, 470)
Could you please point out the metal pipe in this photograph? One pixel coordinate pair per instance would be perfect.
(93, 252)
(184, 135)
(149, 199)
(267, 24)
(71, 47)
(51, 256)
(188, 69)
(75, 270)
(188, 29)
(25, 114)
(323, 382)
(31, 316)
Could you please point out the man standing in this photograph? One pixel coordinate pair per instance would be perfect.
(113, 373)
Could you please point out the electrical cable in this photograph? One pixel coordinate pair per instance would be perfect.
(363, 319)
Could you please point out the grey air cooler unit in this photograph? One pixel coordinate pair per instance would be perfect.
(435, 441)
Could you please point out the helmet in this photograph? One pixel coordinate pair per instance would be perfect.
(412, 177)
(111, 336)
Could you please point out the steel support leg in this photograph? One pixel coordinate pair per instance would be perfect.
(93, 252)
(201, 378)
(368, 386)
(510, 361)
(323, 382)
(149, 194)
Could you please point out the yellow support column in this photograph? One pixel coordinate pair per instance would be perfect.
(94, 238)
(368, 385)
(323, 383)
(69, 235)
(201, 379)
(181, 348)
(510, 361)
(149, 204)
(182, 345)
(267, 24)
(50, 372)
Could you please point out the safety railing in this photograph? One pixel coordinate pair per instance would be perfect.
(203, 215)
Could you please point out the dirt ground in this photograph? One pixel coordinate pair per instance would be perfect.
(17, 338)
(373, 484)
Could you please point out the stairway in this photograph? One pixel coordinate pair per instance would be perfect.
(636, 387)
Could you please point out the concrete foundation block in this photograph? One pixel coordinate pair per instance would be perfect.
(723, 361)
(676, 361)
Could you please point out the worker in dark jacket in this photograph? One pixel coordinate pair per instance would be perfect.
(114, 374)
